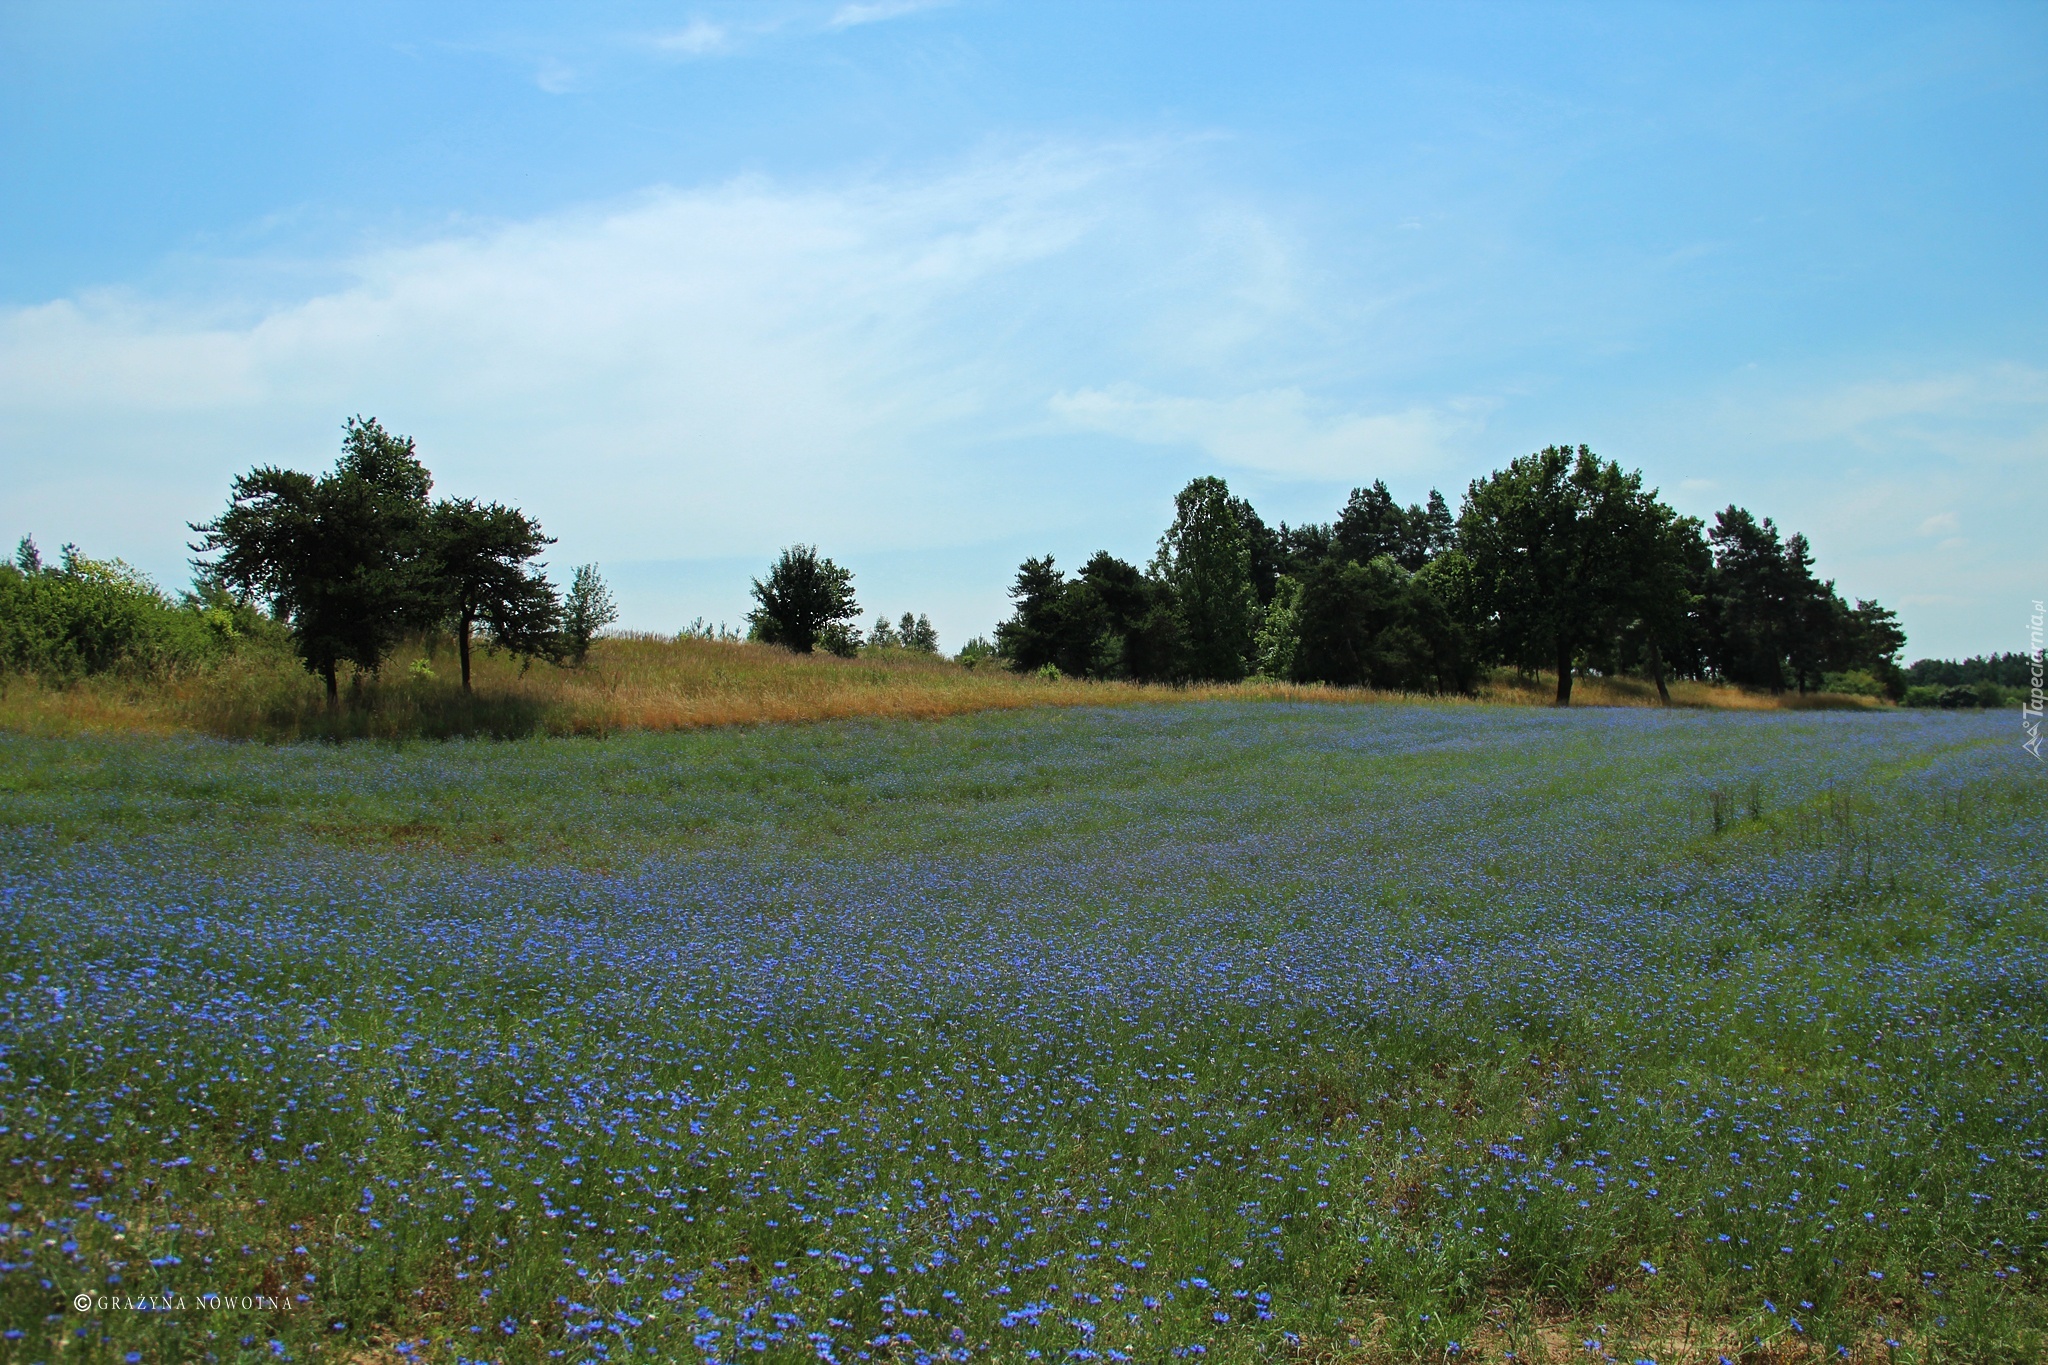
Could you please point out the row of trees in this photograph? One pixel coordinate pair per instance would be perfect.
(357, 559)
(1561, 561)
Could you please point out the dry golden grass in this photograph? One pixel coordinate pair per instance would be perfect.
(1541, 690)
(659, 683)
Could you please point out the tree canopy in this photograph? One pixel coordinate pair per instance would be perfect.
(803, 598)
(479, 562)
(1561, 561)
(339, 557)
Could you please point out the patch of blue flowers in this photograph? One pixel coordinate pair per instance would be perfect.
(1283, 1013)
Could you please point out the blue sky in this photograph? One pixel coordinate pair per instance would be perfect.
(937, 286)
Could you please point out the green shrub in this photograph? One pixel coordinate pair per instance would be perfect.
(976, 651)
(1855, 683)
(91, 616)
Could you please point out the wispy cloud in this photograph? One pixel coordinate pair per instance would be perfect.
(1947, 412)
(1276, 431)
(693, 372)
(878, 11)
(698, 38)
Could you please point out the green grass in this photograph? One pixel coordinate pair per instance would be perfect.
(1370, 1029)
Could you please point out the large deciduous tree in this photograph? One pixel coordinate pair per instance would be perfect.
(1205, 558)
(1555, 542)
(803, 597)
(480, 557)
(338, 557)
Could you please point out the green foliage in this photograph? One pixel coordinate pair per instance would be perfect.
(1376, 625)
(91, 616)
(839, 639)
(914, 633)
(806, 601)
(478, 560)
(1372, 524)
(702, 628)
(2014, 670)
(1205, 560)
(1564, 547)
(338, 557)
(1279, 638)
(977, 652)
(587, 609)
(1110, 622)
(1854, 683)
(918, 634)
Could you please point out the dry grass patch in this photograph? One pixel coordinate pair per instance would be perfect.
(646, 682)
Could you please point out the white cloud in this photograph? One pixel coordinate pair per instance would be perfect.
(698, 38)
(1945, 413)
(704, 372)
(1884, 473)
(1276, 431)
(877, 11)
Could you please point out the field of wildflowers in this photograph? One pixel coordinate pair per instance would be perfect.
(1221, 1031)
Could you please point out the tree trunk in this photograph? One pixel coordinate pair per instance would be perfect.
(1564, 674)
(1657, 674)
(462, 645)
(327, 675)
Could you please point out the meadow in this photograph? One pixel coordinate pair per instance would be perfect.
(661, 683)
(1228, 1030)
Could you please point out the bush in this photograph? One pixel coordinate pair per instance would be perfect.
(837, 637)
(1855, 683)
(92, 616)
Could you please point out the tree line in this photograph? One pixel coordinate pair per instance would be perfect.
(1561, 562)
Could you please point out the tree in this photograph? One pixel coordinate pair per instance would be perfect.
(1139, 631)
(1111, 621)
(1554, 541)
(338, 557)
(1263, 546)
(479, 555)
(1052, 622)
(586, 610)
(1870, 638)
(1773, 621)
(803, 597)
(1375, 625)
(1279, 638)
(1653, 620)
(1205, 558)
(1373, 524)
(918, 634)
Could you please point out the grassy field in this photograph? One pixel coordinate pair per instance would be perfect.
(1233, 1030)
(660, 683)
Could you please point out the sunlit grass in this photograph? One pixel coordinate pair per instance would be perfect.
(656, 683)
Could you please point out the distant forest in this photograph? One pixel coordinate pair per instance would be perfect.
(1560, 564)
